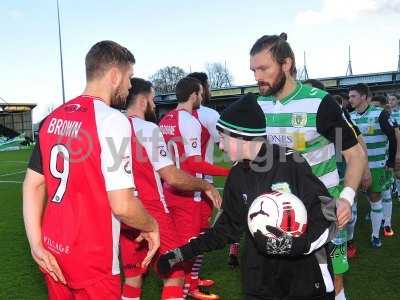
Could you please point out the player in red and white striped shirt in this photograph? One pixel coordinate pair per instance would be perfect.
(182, 132)
(152, 160)
(207, 118)
(78, 186)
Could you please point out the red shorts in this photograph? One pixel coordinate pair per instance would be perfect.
(185, 214)
(205, 212)
(107, 289)
(133, 253)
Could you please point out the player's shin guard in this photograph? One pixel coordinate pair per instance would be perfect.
(130, 292)
(376, 217)
(352, 224)
(172, 292)
(387, 207)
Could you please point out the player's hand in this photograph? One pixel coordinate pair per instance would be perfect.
(168, 260)
(214, 196)
(153, 241)
(343, 212)
(278, 244)
(47, 262)
(366, 180)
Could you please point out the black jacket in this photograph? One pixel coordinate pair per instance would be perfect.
(306, 272)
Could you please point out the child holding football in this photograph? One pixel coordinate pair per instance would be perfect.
(281, 267)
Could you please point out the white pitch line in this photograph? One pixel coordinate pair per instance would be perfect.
(6, 181)
(13, 173)
(13, 161)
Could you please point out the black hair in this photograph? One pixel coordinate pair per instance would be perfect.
(315, 83)
(138, 86)
(185, 87)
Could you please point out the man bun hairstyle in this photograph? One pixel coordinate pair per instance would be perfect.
(279, 48)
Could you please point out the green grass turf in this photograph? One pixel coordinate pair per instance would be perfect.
(374, 274)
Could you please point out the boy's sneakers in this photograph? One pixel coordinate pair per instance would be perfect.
(376, 242)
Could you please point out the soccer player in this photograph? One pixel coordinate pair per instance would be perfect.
(382, 102)
(79, 187)
(281, 268)
(150, 159)
(394, 101)
(339, 242)
(208, 118)
(182, 132)
(378, 131)
(310, 121)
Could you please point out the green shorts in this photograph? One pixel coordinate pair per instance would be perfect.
(389, 179)
(380, 180)
(338, 255)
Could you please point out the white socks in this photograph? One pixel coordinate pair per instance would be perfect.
(340, 296)
(387, 207)
(376, 217)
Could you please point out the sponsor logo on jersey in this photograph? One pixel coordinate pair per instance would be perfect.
(281, 139)
(75, 107)
(168, 129)
(299, 119)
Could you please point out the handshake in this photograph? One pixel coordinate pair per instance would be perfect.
(168, 260)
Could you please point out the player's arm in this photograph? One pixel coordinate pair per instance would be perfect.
(190, 130)
(184, 182)
(116, 165)
(34, 203)
(321, 218)
(387, 128)
(332, 125)
(228, 227)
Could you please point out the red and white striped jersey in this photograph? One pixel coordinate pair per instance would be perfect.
(84, 151)
(208, 118)
(182, 133)
(149, 155)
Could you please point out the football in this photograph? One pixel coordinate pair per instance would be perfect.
(281, 210)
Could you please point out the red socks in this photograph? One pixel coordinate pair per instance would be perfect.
(172, 292)
(131, 293)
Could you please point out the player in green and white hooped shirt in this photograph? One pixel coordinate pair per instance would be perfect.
(394, 103)
(307, 119)
(382, 102)
(378, 131)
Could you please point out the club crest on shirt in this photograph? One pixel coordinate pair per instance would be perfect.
(299, 119)
(282, 187)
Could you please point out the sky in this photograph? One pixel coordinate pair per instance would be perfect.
(188, 34)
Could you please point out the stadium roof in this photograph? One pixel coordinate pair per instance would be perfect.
(16, 107)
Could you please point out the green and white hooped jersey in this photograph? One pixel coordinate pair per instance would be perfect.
(376, 141)
(291, 122)
(395, 115)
